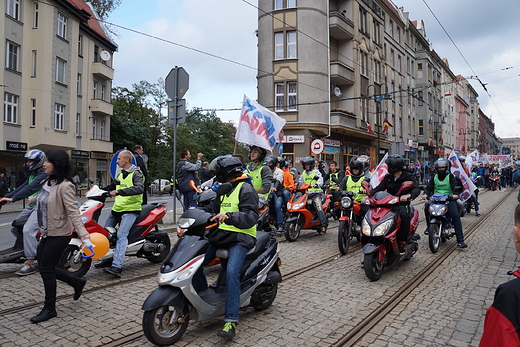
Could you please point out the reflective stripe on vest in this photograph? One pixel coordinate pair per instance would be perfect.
(256, 177)
(127, 203)
(230, 204)
(355, 187)
(442, 187)
(309, 178)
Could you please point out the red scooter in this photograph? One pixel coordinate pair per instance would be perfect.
(494, 181)
(379, 233)
(145, 240)
(301, 211)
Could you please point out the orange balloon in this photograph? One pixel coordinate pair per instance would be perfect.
(101, 243)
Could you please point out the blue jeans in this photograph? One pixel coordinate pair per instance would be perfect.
(188, 200)
(475, 201)
(237, 255)
(278, 200)
(126, 223)
(453, 212)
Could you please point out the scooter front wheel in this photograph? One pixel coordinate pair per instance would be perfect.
(434, 237)
(165, 325)
(74, 263)
(373, 268)
(292, 231)
(264, 296)
(344, 236)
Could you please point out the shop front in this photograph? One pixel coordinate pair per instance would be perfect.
(11, 163)
(99, 166)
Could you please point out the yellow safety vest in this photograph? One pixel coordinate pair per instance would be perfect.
(127, 203)
(309, 178)
(229, 203)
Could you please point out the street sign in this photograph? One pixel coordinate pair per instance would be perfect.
(177, 83)
(317, 146)
(177, 111)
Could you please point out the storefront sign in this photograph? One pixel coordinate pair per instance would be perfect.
(21, 146)
(293, 139)
(407, 148)
(78, 153)
(415, 144)
(330, 149)
(317, 146)
(333, 143)
(99, 155)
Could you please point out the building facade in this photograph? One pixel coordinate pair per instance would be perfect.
(57, 82)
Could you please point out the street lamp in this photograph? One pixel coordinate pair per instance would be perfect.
(377, 99)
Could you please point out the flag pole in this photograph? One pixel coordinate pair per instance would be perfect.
(235, 148)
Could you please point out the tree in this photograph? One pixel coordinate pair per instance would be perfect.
(104, 7)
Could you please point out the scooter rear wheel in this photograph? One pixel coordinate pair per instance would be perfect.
(68, 263)
(159, 257)
(434, 237)
(344, 236)
(373, 268)
(292, 231)
(158, 329)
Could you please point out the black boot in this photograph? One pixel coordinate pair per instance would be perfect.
(78, 288)
(44, 315)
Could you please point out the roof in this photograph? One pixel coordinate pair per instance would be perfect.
(92, 22)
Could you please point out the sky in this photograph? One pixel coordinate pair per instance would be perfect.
(215, 42)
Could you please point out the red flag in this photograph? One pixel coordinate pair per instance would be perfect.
(369, 128)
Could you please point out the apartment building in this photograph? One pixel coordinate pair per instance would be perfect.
(57, 82)
(513, 143)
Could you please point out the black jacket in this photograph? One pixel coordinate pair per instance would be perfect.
(392, 185)
(27, 189)
(455, 183)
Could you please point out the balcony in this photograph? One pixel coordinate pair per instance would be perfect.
(341, 73)
(103, 71)
(101, 106)
(342, 118)
(341, 28)
(97, 145)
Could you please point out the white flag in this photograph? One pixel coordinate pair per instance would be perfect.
(379, 173)
(471, 160)
(458, 170)
(258, 126)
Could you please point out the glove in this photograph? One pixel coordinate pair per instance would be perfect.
(88, 244)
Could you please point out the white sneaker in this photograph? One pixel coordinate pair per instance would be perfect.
(27, 270)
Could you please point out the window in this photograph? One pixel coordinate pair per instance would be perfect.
(103, 91)
(363, 61)
(94, 96)
(419, 70)
(62, 26)
(78, 84)
(377, 71)
(398, 63)
(398, 34)
(279, 45)
(421, 127)
(12, 56)
(78, 124)
(391, 27)
(96, 53)
(93, 128)
(291, 44)
(10, 108)
(36, 14)
(59, 114)
(80, 45)
(101, 129)
(282, 95)
(420, 96)
(392, 58)
(60, 70)
(363, 25)
(13, 9)
(280, 4)
(33, 113)
(377, 32)
(34, 63)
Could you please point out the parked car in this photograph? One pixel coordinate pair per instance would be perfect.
(164, 186)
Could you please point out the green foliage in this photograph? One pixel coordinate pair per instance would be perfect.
(104, 7)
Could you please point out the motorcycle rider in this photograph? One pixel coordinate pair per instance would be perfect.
(26, 240)
(288, 180)
(276, 188)
(127, 189)
(261, 175)
(444, 182)
(334, 177)
(313, 177)
(392, 183)
(352, 183)
(237, 213)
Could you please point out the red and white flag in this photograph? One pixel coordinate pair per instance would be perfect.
(258, 126)
(369, 127)
(379, 173)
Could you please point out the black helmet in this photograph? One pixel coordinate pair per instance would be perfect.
(263, 152)
(442, 162)
(271, 161)
(395, 163)
(365, 160)
(356, 164)
(282, 162)
(308, 160)
(225, 167)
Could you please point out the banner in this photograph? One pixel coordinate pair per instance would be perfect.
(258, 126)
(471, 160)
(379, 173)
(502, 160)
(458, 170)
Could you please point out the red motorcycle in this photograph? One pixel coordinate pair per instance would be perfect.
(379, 233)
(301, 212)
(494, 182)
(350, 219)
(145, 240)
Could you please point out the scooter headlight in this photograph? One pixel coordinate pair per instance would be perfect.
(381, 229)
(438, 209)
(296, 206)
(185, 223)
(84, 219)
(365, 228)
(346, 202)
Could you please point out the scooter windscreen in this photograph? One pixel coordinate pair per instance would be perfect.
(187, 248)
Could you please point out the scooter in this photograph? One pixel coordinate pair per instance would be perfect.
(379, 233)
(440, 222)
(145, 240)
(15, 254)
(302, 214)
(350, 219)
(169, 308)
(494, 181)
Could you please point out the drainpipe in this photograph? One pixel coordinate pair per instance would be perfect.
(328, 64)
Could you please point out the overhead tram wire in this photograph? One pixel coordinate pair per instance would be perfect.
(471, 68)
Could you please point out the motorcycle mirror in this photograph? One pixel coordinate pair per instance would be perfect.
(224, 188)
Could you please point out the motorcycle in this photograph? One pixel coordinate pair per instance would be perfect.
(145, 240)
(169, 308)
(379, 233)
(494, 181)
(301, 211)
(15, 254)
(440, 222)
(350, 219)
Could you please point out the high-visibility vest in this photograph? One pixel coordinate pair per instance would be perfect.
(230, 204)
(127, 203)
(309, 178)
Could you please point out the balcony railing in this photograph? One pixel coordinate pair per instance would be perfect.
(341, 27)
(341, 73)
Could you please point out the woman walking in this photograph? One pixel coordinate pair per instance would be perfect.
(57, 213)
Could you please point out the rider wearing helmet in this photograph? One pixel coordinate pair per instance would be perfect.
(352, 182)
(392, 183)
(288, 180)
(313, 176)
(276, 188)
(26, 240)
(444, 182)
(237, 213)
(261, 174)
